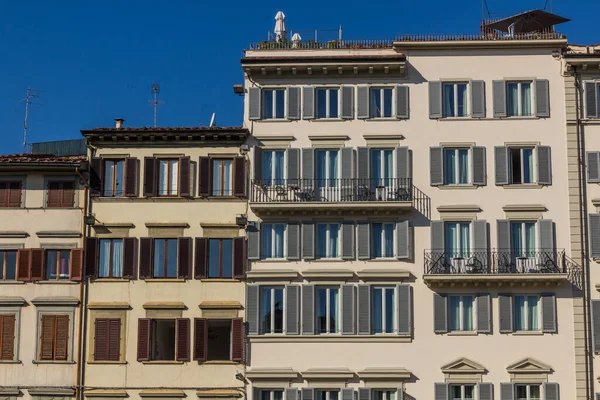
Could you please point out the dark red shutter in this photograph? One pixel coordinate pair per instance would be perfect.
(184, 177)
(200, 339)
(14, 194)
(4, 194)
(101, 339)
(7, 352)
(96, 171)
(61, 338)
(91, 256)
(129, 257)
(239, 257)
(67, 194)
(76, 264)
(37, 264)
(54, 194)
(146, 248)
(201, 268)
(239, 177)
(183, 339)
(184, 258)
(131, 167)
(149, 176)
(114, 340)
(237, 340)
(47, 336)
(143, 349)
(24, 264)
(204, 186)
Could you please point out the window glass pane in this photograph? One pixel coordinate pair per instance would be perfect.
(163, 177)
(321, 103)
(267, 167)
(279, 167)
(159, 258)
(387, 103)
(448, 106)
(465, 240)
(388, 240)
(454, 313)
(333, 103)
(333, 395)
(119, 166)
(227, 178)
(267, 241)
(533, 312)
(321, 167)
(515, 158)
(117, 262)
(217, 177)
(534, 392)
(376, 240)
(265, 310)
(108, 178)
(333, 168)
(377, 311)
(227, 254)
(467, 313)
(322, 310)
(456, 392)
(279, 236)
(375, 109)
(461, 99)
(277, 395)
(527, 165)
(172, 258)
(333, 310)
(512, 99)
(519, 313)
(389, 310)
(2, 257)
(268, 104)
(104, 261)
(265, 395)
(321, 240)
(63, 267)
(388, 165)
(469, 392)
(278, 310)
(376, 172)
(334, 230)
(463, 166)
(451, 238)
(530, 239)
(11, 265)
(522, 392)
(280, 104)
(51, 261)
(516, 239)
(526, 99)
(450, 166)
(214, 250)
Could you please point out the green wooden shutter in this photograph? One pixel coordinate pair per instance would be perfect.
(347, 102)
(364, 309)
(544, 165)
(364, 240)
(308, 240)
(595, 235)
(591, 100)
(348, 313)
(484, 308)
(505, 307)
(596, 325)
(293, 241)
(478, 166)
(362, 101)
(441, 391)
(348, 241)
(593, 164)
(252, 304)
(404, 310)
(549, 324)
(403, 245)
(253, 234)
(308, 102)
(293, 166)
(501, 165)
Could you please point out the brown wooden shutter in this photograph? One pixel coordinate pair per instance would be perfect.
(200, 339)
(143, 350)
(131, 167)
(53, 194)
(91, 256)
(150, 183)
(146, 249)
(183, 339)
(14, 194)
(37, 264)
(76, 264)
(47, 337)
(237, 340)
(4, 194)
(68, 194)
(201, 268)
(129, 257)
(24, 264)
(239, 177)
(96, 172)
(184, 177)
(114, 340)
(7, 348)
(239, 257)
(62, 337)
(184, 258)
(101, 339)
(204, 177)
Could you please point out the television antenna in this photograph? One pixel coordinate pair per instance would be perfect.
(155, 102)
(29, 96)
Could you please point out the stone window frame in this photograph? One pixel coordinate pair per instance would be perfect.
(13, 309)
(61, 178)
(111, 311)
(58, 309)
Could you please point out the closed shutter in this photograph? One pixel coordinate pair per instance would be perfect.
(201, 262)
(200, 339)
(184, 177)
(435, 99)
(131, 176)
(239, 181)
(347, 184)
(348, 314)
(293, 101)
(364, 240)
(308, 241)
(146, 249)
(551, 391)
(403, 170)
(477, 99)
(237, 340)
(252, 293)
(114, 339)
(479, 166)
(257, 159)
(505, 308)
(308, 102)
(364, 394)
(308, 169)
(501, 165)
(67, 193)
(47, 336)
(292, 307)
(7, 349)
(239, 257)
(437, 237)
(363, 166)
(150, 184)
(348, 242)
(499, 94)
(254, 103)
(436, 166)
(404, 310)
(293, 241)
(362, 102)
(364, 309)
(24, 264)
(591, 100)
(14, 194)
(102, 339)
(596, 325)
(61, 338)
(593, 164)
(37, 264)
(347, 394)
(54, 194)
(290, 394)
(293, 167)
(130, 257)
(76, 262)
(308, 394)
(403, 242)
(486, 391)
(441, 391)
(507, 391)
(594, 236)
(183, 339)
(347, 102)
(544, 165)
(253, 233)
(184, 258)
(542, 98)
(440, 313)
(204, 177)
(143, 344)
(549, 313)
(402, 102)
(308, 309)
(91, 256)
(4, 194)
(484, 308)
(96, 173)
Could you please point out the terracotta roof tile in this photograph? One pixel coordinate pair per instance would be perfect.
(167, 129)
(40, 158)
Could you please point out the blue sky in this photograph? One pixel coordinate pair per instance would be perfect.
(95, 60)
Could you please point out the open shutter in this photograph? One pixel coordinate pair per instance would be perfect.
(437, 237)
(362, 102)
(183, 339)
(347, 394)
(477, 99)
(292, 307)
(146, 248)
(67, 194)
(293, 241)
(253, 234)
(364, 309)
(347, 186)
(308, 309)
(364, 394)
(254, 102)
(143, 345)
(507, 391)
(14, 194)
(549, 313)
(593, 164)
(130, 257)
(61, 337)
(24, 264)
(441, 391)
(290, 394)
(308, 394)
(201, 262)
(47, 337)
(185, 177)
(257, 158)
(440, 313)
(436, 166)
(96, 177)
(501, 165)
(200, 339)
(551, 391)
(505, 307)
(308, 240)
(293, 101)
(546, 232)
(101, 339)
(403, 170)
(402, 102)
(239, 181)
(544, 165)
(239, 257)
(503, 238)
(591, 100)
(308, 169)
(499, 94)
(435, 99)
(237, 340)
(252, 293)
(308, 102)
(404, 310)
(150, 185)
(403, 250)
(596, 325)
(594, 236)
(54, 194)
(484, 307)
(478, 166)
(76, 263)
(37, 264)
(131, 176)
(363, 166)
(480, 243)
(364, 240)
(4, 194)
(347, 102)
(485, 391)
(7, 351)
(204, 177)
(400, 393)
(542, 98)
(293, 167)
(184, 258)
(91, 256)
(348, 314)
(348, 241)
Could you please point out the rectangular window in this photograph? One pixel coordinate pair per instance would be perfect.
(111, 258)
(271, 394)
(273, 167)
(165, 258)
(61, 194)
(328, 102)
(113, 181)
(273, 103)
(10, 194)
(527, 392)
(327, 169)
(222, 177)
(518, 99)
(455, 100)
(8, 265)
(327, 395)
(107, 339)
(220, 258)
(328, 237)
(462, 392)
(328, 303)
(382, 167)
(460, 313)
(7, 336)
(382, 240)
(382, 309)
(381, 102)
(54, 337)
(273, 238)
(456, 166)
(527, 313)
(271, 310)
(57, 264)
(162, 340)
(168, 177)
(458, 239)
(218, 342)
(523, 241)
(522, 165)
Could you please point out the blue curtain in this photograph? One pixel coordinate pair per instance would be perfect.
(377, 309)
(527, 165)
(333, 103)
(389, 240)
(267, 167)
(376, 240)
(279, 167)
(516, 239)
(334, 230)
(448, 100)
(451, 237)
(104, 262)
(463, 163)
(461, 89)
(333, 168)
(321, 168)
(449, 166)
(267, 241)
(512, 97)
(279, 232)
(389, 310)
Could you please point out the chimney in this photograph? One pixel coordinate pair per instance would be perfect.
(119, 123)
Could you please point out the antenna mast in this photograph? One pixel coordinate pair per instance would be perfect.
(155, 102)
(31, 94)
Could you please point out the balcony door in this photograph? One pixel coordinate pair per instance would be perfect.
(273, 167)
(523, 245)
(328, 175)
(458, 244)
(382, 173)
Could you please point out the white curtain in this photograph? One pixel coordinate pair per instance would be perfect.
(117, 257)
(450, 166)
(463, 162)
(279, 167)
(527, 165)
(389, 240)
(174, 176)
(512, 96)
(532, 305)
(333, 168)
(454, 313)
(519, 313)
(104, 262)
(163, 177)
(228, 177)
(526, 98)
(279, 232)
(467, 313)
(267, 241)
(108, 177)
(448, 100)
(119, 178)
(334, 230)
(217, 171)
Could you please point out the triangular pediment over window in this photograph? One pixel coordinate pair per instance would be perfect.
(529, 365)
(463, 365)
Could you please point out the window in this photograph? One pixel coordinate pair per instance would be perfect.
(271, 394)
(8, 265)
(328, 102)
(455, 100)
(592, 97)
(527, 313)
(328, 237)
(528, 392)
(111, 258)
(57, 264)
(162, 339)
(456, 166)
(521, 164)
(458, 239)
(381, 102)
(107, 339)
(168, 174)
(114, 178)
(327, 169)
(382, 240)
(54, 337)
(327, 394)
(382, 304)
(7, 336)
(271, 309)
(219, 339)
(518, 98)
(382, 166)
(328, 303)
(10, 194)
(384, 394)
(462, 392)
(272, 240)
(165, 258)
(460, 314)
(61, 194)
(522, 237)
(273, 103)
(222, 177)
(220, 258)
(273, 167)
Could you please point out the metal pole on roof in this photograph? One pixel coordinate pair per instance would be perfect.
(31, 94)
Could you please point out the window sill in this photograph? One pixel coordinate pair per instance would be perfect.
(331, 119)
(220, 280)
(391, 338)
(521, 117)
(274, 260)
(370, 119)
(462, 333)
(523, 186)
(57, 282)
(457, 187)
(163, 362)
(164, 280)
(220, 362)
(107, 362)
(10, 362)
(52, 362)
(12, 282)
(381, 259)
(320, 260)
(275, 120)
(528, 333)
(465, 118)
(112, 280)
(61, 208)
(226, 198)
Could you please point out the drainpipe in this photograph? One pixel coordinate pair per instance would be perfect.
(81, 339)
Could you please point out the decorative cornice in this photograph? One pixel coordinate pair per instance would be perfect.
(162, 393)
(328, 137)
(55, 301)
(12, 301)
(167, 225)
(58, 234)
(272, 274)
(271, 374)
(50, 391)
(391, 274)
(115, 305)
(164, 305)
(327, 373)
(219, 393)
(327, 273)
(453, 367)
(385, 373)
(220, 305)
(524, 207)
(459, 208)
(518, 367)
(13, 234)
(105, 393)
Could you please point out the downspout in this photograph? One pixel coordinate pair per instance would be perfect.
(81, 339)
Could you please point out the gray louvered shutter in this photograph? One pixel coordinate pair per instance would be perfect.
(308, 309)
(290, 394)
(595, 235)
(551, 391)
(293, 241)
(362, 102)
(591, 100)
(347, 155)
(435, 99)
(549, 323)
(503, 236)
(308, 102)
(499, 94)
(347, 102)
(364, 309)
(440, 313)
(546, 232)
(486, 391)
(348, 314)
(596, 325)
(437, 236)
(593, 164)
(544, 165)
(404, 310)
(403, 171)
(293, 166)
(254, 101)
(507, 391)
(308, 240)
(505, 309)
(436, 166)
(252, 294)
(363, 166)
(293, 101)
(479, 166)
(480, 238)
(403, 240)
(484, 311)
(400, 394)
(364, 240)
(597, 396)
(291, 309)
(308, 394)
(253, 233)
(257, 161)
(501, 165)
(441, 391)
(477, 99)
(308, 168)
(347, 394)
(348, 242)
(542, 98)
(402, 102)
(364, 394)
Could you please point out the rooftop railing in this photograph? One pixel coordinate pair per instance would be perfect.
(330, 44)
